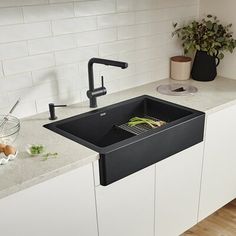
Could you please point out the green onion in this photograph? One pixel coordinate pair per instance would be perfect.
(49, 154)
(152, 123)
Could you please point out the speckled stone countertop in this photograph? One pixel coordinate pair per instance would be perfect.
(27, 171)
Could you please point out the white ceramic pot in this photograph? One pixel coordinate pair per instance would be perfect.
(180, 68)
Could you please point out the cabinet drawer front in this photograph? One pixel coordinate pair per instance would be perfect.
(219, 174)
(177, 191)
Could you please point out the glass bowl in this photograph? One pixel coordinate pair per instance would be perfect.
(9, 129)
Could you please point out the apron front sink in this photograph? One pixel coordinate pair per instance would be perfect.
(123, 149)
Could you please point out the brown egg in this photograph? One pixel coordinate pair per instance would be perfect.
(8, 150)
(2, 146)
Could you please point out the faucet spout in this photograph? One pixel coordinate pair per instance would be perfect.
(93, 93)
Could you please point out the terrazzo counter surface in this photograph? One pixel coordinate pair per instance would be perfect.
(27, 171)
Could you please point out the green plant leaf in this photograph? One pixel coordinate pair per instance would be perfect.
(209, 25)
(220, 56)
(215, 27)
(221, 39)
(175, 25)
(207, 34)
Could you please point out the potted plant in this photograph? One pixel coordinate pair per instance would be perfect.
(209, 39)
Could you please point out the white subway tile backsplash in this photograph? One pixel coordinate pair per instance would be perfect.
(10, 16)
(149, 16)
(125, 5)
(24, 109)
(147, 66)
(112, 20)
(107, 21)
(153, 41)
(16, 82)
(51, 44)
(27, 64)
(3, 100)
(136, 31)
(96, 37)
(137, 80)
(140, 55)
(165, 14)
(20, 32)
(161, 27)
(45, 46)
(125, 18)
(146, 5)
(62, 1)
(64, 98)
(113, 86)
(1, 70)
(36, 92)
(75, 55)
(116, 47)
(13, 3)
(48, 12)
(74, 25)
(142, 30)
(13, 50)
(99, 7)
(114, 73)
(56, 73)
(175, 3)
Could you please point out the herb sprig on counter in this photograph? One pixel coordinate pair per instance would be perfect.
(36, 149)
(49, 154)
(40, 150)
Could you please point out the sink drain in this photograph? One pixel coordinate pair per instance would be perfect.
(176, 89)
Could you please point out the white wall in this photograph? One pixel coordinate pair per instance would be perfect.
(45, 46)
(225, 10)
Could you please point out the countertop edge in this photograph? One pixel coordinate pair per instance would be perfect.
(47, 176)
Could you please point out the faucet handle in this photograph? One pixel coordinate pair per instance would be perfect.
(102, 78)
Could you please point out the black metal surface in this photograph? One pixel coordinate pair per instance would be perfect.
(93, 93)
(204, 66)
(123, 153)
(52, 110)
(136, 156)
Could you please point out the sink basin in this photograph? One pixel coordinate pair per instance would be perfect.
(124, 150)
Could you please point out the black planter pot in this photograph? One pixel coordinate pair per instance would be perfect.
(204, 66)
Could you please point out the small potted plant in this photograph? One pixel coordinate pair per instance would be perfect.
(209, 39)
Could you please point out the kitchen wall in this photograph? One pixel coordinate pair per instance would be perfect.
(45, 46)
(225, 10)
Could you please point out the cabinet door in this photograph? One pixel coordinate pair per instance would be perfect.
(64, 205)
(177, 191)
(219, 169)
(126, 207)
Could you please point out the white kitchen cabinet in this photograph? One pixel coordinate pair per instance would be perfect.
(62, 206)
(177, 191)
(126, 207)
(219, 169)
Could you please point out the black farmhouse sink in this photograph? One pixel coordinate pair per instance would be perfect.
(124, 150)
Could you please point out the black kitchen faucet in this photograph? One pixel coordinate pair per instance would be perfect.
(93, 93)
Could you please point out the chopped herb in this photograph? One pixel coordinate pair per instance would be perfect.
(49, 154)
(36, 149)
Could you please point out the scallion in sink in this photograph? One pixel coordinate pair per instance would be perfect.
(152, 123)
